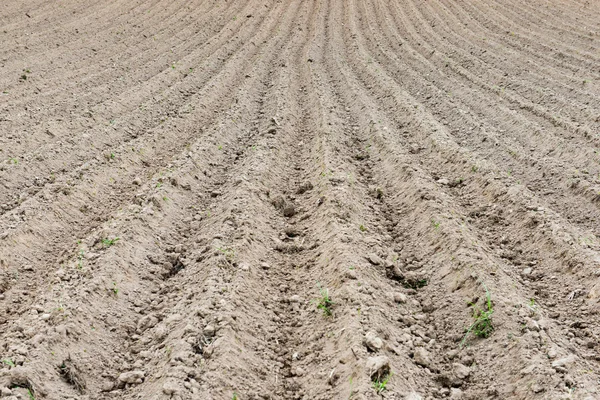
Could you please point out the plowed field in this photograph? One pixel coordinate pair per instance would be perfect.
(299, 199)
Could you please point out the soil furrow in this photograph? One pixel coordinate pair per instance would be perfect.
(499, 136)
(35, 215)
(175, 101)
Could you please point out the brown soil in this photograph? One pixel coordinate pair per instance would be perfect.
(179, 180)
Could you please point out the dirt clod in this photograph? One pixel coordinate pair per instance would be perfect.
(132, 377)
(373, 342)
(378, 367)
(422, 357)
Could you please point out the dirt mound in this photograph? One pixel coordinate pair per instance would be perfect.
(313, 199)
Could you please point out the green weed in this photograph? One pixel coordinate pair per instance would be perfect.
(80, 257)
(482, 326)
(9, 362)
(362, 228)
(380, 386)
(324, 302)
(109, 242)
(227, 252)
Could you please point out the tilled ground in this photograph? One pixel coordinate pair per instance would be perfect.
(181, 182)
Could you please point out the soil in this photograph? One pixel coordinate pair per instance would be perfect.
(299, 199)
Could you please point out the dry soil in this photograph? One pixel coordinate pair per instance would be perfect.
(182, 181)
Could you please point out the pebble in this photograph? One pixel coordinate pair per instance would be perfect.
(413, 396)
(5, 392)
(443, 181)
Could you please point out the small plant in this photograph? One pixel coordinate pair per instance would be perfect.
(532, 306)
(9, 362)
(482, 326)
(80, 257)
(362, 228)
(351, 388)
(30, 394)
(380, 386)
(235, 396)
(324, 302)
(227, 252)
(115, 290)
(436, 224)
(109, 242)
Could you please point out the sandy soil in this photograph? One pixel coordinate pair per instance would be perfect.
(183, 183)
